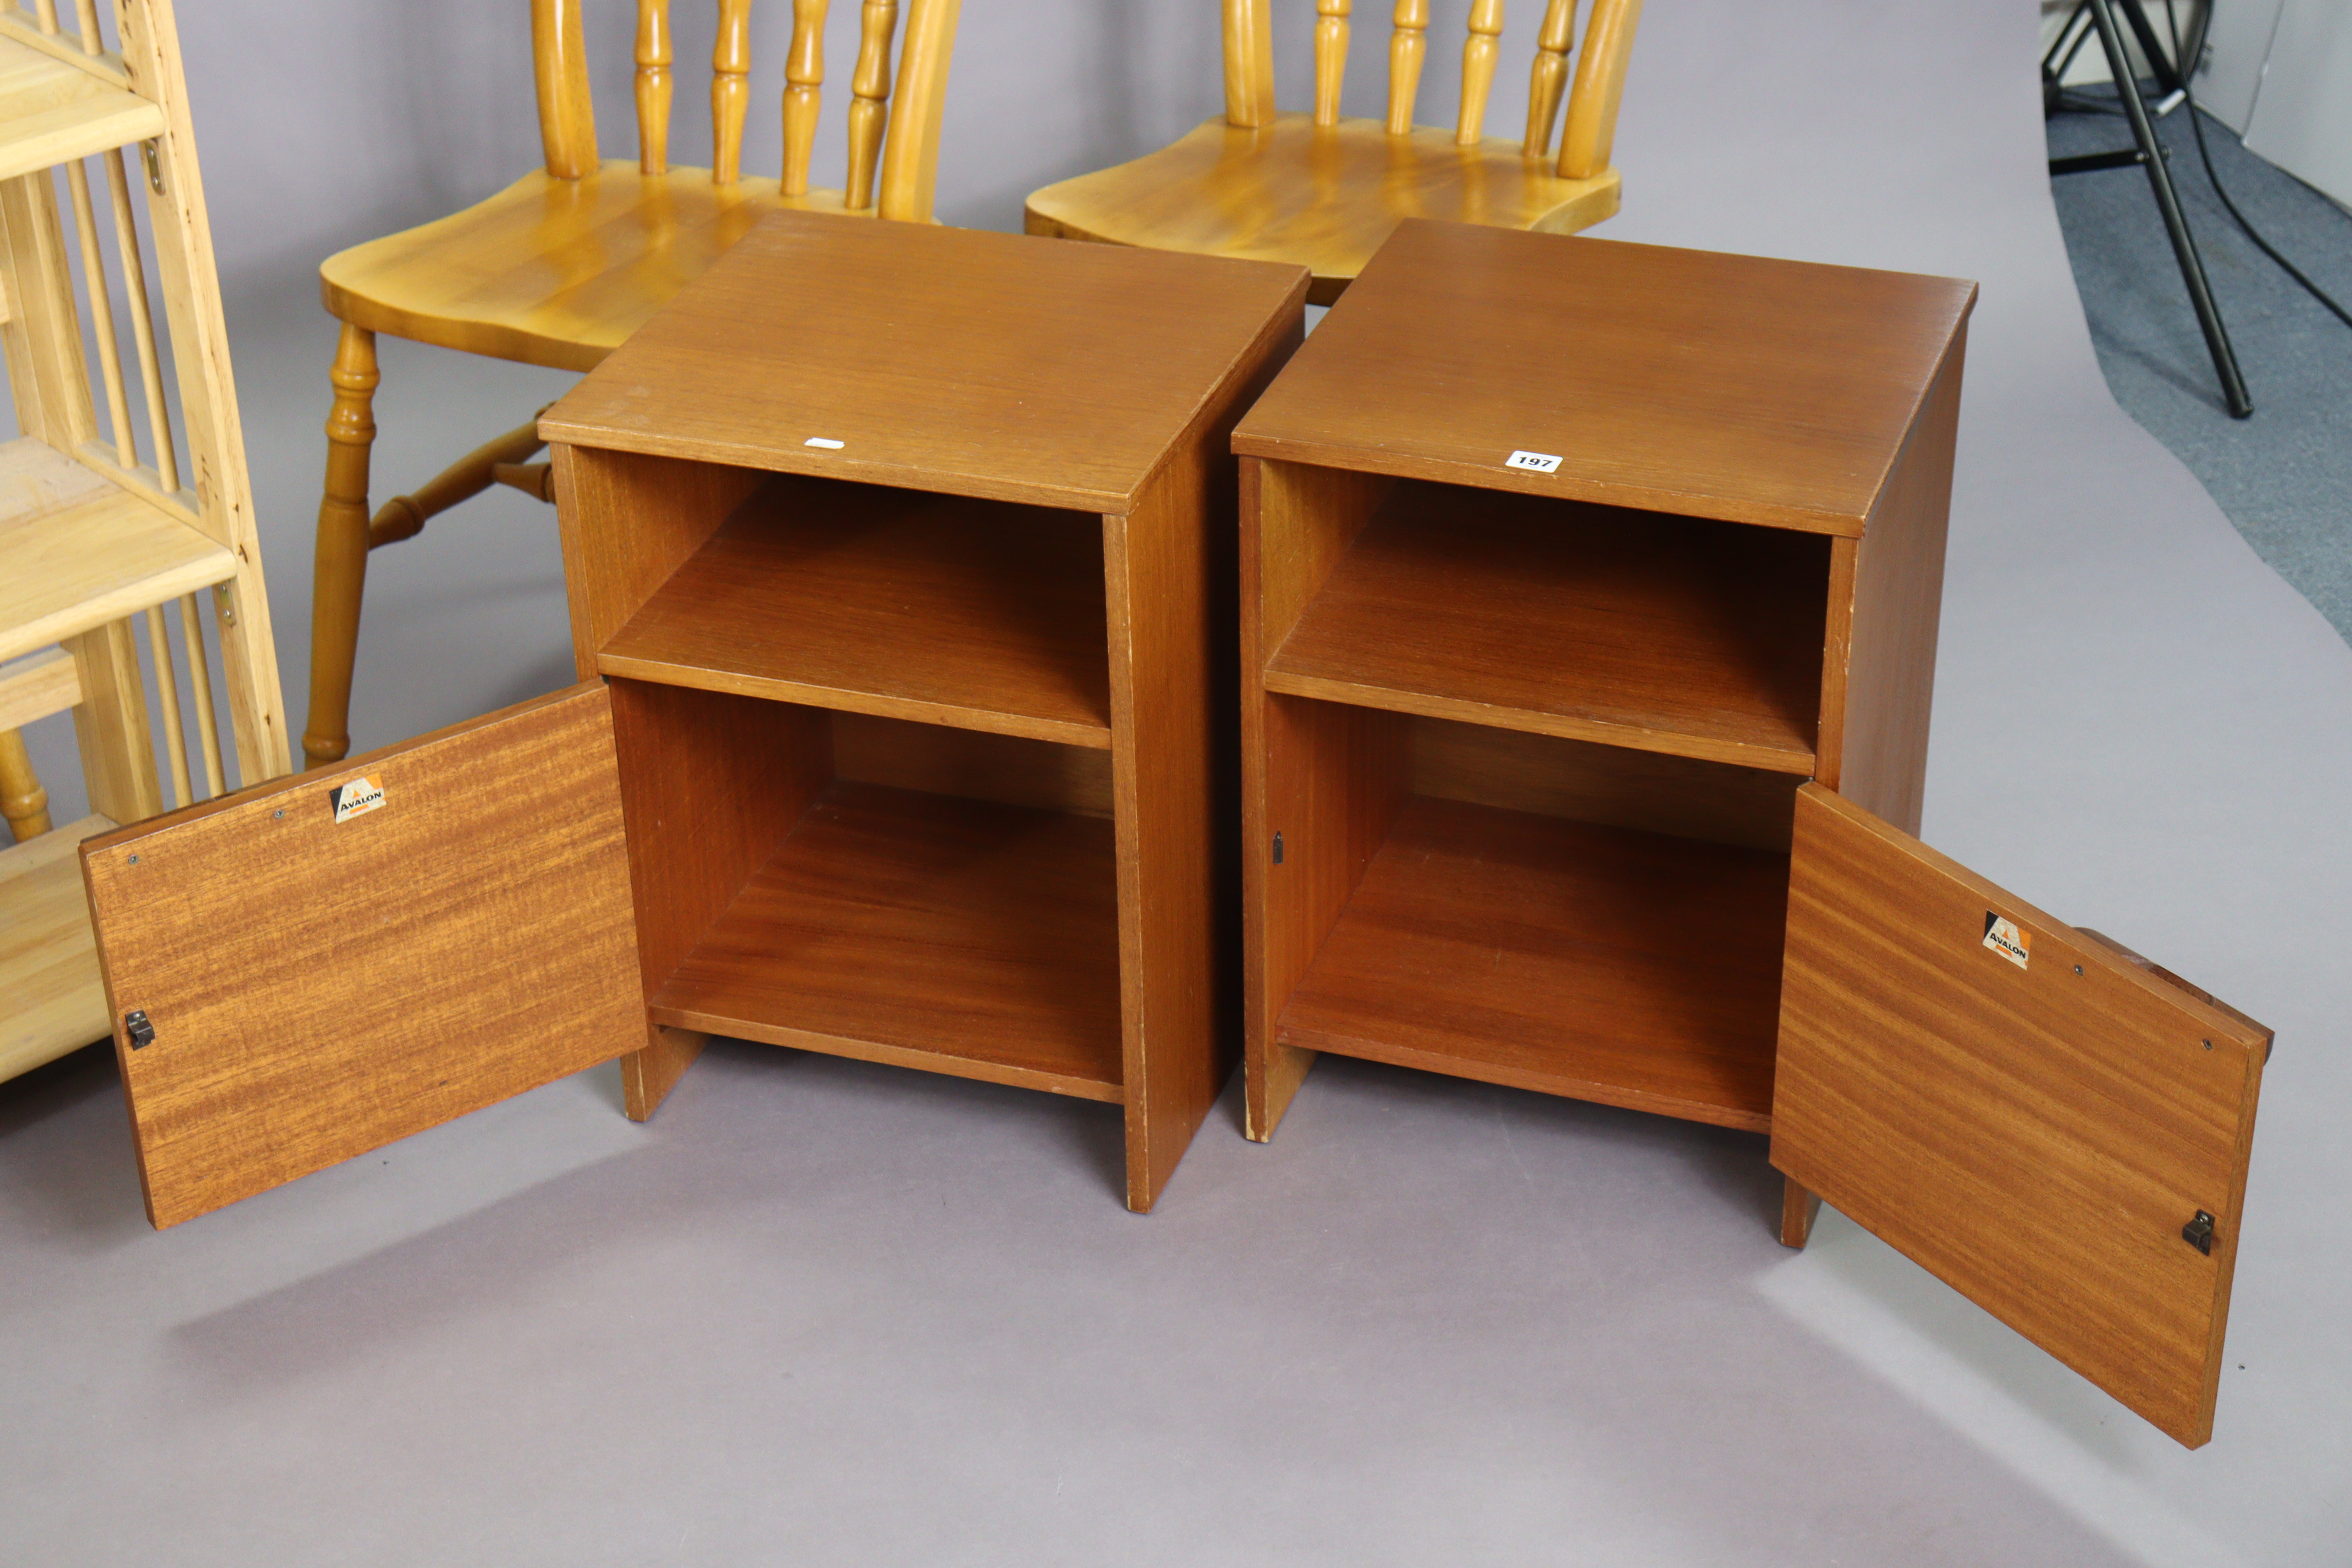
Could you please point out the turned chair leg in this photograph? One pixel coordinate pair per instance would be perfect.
(340, 563)
(23, 801)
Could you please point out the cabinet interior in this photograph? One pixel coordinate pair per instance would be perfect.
(1534, 764)
(863, 736)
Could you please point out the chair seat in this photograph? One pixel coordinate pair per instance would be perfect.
(1321, 196)
(552, 272)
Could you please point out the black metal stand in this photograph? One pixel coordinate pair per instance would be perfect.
(2149, 153)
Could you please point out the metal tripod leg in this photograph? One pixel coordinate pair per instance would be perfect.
(2192, 268)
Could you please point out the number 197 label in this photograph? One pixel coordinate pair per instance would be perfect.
(1535, 462)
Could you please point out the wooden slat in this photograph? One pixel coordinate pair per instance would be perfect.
(75, 128)
(893, 602)
(2036, 1134)
(101, 296)
(36, 687)
(869, 105)
(142, 329)
(1331, 57)
(910, 154)
(1590, 133)
(1547, 79)
(803, 92)
(1408, 46)
(1665, 634)
(567, 109)
(1248, 35)
(82, 553)
(655, 54)
(1479, 52)
(1620, 967)
(105, 64)
(111, 727)
(49, 961)
(319, 988)
(167, 698)
(200, 684)
(923, 931)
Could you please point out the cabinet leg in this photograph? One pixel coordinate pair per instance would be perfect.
(340, 561)
(647, 1076)
(1276, 1071)
(1797, 1208)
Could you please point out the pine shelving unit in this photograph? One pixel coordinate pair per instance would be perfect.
(111, 524)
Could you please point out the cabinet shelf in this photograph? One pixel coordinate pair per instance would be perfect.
(960, 936)
(1639, 629)
(1606, 964)
(53, 109)
(82, 551)
(981, 614)
(48, 958)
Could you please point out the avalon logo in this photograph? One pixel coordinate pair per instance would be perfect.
(2005, 938)
(355, 798)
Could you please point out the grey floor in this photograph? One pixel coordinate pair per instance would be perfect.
(820, 1312)
(2285, 476)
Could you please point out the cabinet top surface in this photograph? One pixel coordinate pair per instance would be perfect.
(998, 365)
(1725, 387)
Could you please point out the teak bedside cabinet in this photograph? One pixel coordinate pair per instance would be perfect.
(901, 565)
(1590, 594)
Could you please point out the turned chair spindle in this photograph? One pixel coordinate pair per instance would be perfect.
(1326, 190)
(562, 283)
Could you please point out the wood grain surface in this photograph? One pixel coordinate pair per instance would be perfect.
(1681, 381)
(82, 551)
(319, 988)
(927, 931)
(949, 360)
(1326, 776)
(1660, 633)
(48, 960)
(53, 109)
(939, 608)
(1604, 964)
(2036, 1135)
(1320, 197)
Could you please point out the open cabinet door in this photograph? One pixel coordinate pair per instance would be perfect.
(2057, 1131)
(311, 968)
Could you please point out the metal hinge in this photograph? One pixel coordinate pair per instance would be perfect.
(141, 1032)
(154, 157)
(2199, 1233)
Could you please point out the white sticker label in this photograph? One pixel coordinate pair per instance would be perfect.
(827, 442)
(356, 798)
(2005, 938)
(1534, 462)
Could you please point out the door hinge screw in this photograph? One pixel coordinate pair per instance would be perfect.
(2199, 1233)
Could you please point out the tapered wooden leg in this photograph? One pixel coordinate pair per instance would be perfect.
(1798, 1208)
(649, 1076)
(403, 517)
(23, 801)
(340, 563)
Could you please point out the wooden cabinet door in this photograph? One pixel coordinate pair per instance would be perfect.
(2053, 1128)
(310, 969)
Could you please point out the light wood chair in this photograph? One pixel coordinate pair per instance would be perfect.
(111, 525)
(562, 264)
(1324, 192)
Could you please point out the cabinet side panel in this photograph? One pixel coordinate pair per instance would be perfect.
(1327, 777)
(1898, 591)
(1166, 731)
(710, 784)
(628, 522)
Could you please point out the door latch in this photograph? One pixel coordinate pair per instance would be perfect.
(2199, 1233)
(1278, 848)
(141, 1032)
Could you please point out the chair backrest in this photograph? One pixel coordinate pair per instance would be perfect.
(1591, 124)
(908, 155)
